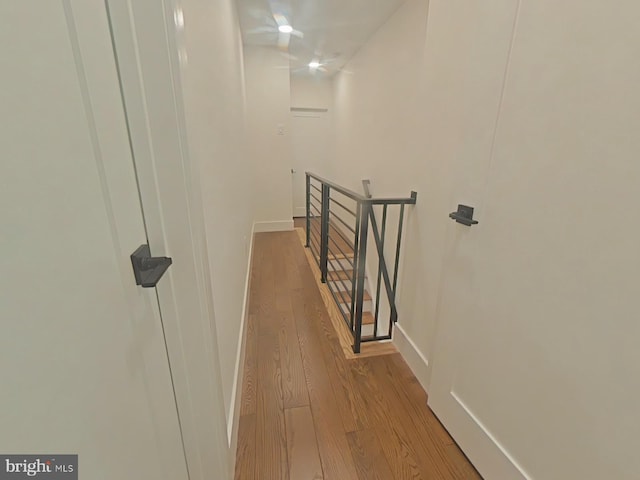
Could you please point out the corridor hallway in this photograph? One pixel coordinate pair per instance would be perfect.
(307, 411)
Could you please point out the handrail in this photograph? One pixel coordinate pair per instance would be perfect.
(394, 201)
(334, 270)
(335, 186)
(411, 200)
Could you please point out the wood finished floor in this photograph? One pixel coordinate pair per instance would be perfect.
(307, 412)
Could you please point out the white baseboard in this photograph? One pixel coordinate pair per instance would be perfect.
(488, 455)
(236, 392)
(417, 362)
(279, 226)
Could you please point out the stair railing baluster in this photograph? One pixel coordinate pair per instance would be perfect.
(362, 255)
(380, 263)
(356, 258)
(308, 207)
(324, 232)
(397, 262)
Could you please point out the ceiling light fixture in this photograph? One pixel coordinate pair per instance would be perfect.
(314, 64)
(285, 29)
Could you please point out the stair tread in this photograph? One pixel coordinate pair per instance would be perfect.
(367, 317)
(340, 256)
(336, 242)
(365, 297)
(340, 274)
(348, 251)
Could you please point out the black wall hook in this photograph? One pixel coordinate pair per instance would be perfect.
(464, 215)
(147, 269)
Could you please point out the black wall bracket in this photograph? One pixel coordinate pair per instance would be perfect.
(147, 269)
(464, 215)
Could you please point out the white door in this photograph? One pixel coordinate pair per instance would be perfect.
(310, 142)
(536, 369)
(83, 362)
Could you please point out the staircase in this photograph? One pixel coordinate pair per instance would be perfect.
(338, 227)
(339, 274)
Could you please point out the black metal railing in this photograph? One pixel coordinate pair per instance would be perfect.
(338, 225)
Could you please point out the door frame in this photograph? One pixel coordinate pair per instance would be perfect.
(171, 199)
(296, 171)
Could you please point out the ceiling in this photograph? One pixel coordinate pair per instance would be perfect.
(327, 31)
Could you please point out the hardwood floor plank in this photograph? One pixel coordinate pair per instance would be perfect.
(291, 256)
(316, 313)
(246, 452)
(413, 417)
(262, 290)
(401, 453)
(280, 260)
(411, 387)
(335, 456)
(346, 396)
(302, 446)
(271, 446)
(250, 374)
(368, 455)
(467, 470)
(271, 455)
(432, 435)
(352, 406)
(417, 420)
(294, 385)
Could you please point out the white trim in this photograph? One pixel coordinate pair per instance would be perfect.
(236, 391)
(518, 470)
(278, 226)
(417, 362)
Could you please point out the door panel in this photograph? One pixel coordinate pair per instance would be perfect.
(536, 363)
(169, 187)
(479, 37)
(310, 143)
(83, 364)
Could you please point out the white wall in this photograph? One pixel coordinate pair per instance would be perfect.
(401, 105)
(268, 130)
(214, 103)
(311, 91)
(388, 132)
